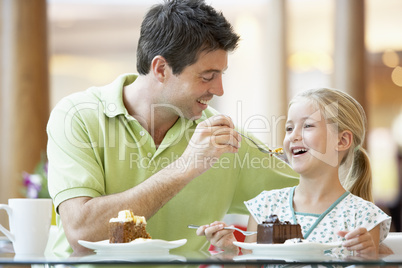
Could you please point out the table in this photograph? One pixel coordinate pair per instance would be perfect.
(194, 258)
(183, 257)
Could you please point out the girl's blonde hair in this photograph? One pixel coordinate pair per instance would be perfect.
(341, 109)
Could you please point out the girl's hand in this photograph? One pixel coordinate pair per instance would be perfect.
(361, 241)
(219, 237)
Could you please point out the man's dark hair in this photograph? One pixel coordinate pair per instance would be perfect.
(179, 30)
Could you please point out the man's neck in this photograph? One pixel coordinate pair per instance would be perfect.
(139, 102)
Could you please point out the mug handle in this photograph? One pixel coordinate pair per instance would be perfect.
(9, 211)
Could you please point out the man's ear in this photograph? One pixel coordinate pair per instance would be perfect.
(159, 68)
(345, 140)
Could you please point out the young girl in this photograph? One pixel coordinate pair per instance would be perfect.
(325, 131)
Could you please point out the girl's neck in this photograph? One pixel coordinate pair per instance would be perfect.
(317, 194)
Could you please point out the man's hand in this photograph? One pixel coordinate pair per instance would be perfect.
(212, 138)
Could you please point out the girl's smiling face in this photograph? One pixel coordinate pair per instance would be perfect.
(310, 142)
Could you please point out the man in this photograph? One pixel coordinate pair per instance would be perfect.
(151, 144)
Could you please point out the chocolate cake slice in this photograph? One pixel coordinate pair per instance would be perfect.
(274, 231)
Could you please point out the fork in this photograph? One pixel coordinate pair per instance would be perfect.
(246, 233)
(259, 146)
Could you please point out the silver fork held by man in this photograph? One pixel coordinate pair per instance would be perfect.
(246, 233)
(259, 147)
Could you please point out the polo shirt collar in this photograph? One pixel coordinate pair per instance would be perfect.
(189, 122)
(112, 95)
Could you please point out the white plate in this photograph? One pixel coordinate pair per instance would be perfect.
(132, 257)
(136, 246)
(283, 256)
(297, 248)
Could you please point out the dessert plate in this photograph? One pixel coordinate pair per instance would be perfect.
(293, 248)
(136, 246)
(133, 257)
(288, 257)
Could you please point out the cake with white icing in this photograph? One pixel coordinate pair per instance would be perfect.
(127, 227)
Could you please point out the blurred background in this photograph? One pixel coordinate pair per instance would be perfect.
(50, 49)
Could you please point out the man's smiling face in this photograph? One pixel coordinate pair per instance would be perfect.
(192, 90)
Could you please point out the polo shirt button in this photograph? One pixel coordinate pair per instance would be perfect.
(142, 133)
(111, 107)
(149, 155)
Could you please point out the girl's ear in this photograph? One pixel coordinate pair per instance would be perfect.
(345, 140)
(159, 68)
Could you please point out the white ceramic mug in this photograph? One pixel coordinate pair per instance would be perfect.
(29, 224)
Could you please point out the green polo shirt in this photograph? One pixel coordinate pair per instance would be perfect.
(96, 148)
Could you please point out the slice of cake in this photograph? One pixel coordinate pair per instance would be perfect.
(274, 231)
(127, 227)
(277, 151)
